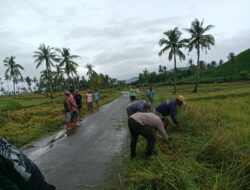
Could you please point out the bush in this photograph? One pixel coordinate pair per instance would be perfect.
(244, 75)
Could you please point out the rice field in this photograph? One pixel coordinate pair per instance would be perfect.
(211, 152)
(30, 117)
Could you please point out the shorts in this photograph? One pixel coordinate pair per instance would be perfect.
(70, 116)
(89, 105)
(74, 115)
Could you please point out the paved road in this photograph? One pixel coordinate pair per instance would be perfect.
(89, 158)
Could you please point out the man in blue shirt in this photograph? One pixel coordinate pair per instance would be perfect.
(169, 108)
(138, 106)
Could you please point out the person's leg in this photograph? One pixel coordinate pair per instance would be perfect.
(91, 106)
(132, 124)
(75, 116)
(68, 123)
(150, 143)
(88, 106)
(148, 133)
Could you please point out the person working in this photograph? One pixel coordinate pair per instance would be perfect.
(145, 124)
(138, 106)
(18, 172)
(169, 108)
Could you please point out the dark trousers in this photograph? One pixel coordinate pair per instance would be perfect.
(147, 132)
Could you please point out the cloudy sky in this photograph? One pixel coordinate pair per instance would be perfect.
(120, 37)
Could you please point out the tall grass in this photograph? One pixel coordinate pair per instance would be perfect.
(213, 150)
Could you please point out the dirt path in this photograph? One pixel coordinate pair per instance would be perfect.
(90, 157)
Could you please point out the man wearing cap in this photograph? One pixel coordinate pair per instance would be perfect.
(169, 108)
(145, 124)
(138, 106)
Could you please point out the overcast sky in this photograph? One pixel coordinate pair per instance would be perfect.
(120, 37)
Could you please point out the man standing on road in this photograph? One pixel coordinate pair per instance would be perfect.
(169, 108)
(138, 106)
(18, 172)
(78, 100)
(89, 98)
(70, 108)
(145, 124)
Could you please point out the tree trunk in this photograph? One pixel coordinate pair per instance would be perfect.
(174, 73)
(197, 70)
(68, 81)
(50, 84)
(14, 88)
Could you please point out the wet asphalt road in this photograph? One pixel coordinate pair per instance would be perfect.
(90, 158)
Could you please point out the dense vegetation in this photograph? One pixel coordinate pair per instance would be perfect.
(213, 150)
(234, 69)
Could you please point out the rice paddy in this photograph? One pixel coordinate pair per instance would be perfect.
(211, 152)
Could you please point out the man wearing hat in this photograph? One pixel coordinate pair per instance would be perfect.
(169, 108)
(138, 106)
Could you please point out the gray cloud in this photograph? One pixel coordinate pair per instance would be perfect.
(121, 39)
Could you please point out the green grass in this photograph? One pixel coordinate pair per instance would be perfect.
(213, 150)
(30, 117)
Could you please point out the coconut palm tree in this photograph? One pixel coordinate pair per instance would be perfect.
(200, 41)
(28, 80)
(59, 79)
(48, 56)
(173, 43)
(13, 71)
(90, 69)
(66, 61)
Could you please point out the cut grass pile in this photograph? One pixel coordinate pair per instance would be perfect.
(213, 150)
(28, 118)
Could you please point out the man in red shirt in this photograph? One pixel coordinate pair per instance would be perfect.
(70, 108)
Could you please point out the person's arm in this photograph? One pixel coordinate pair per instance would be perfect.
(6, 183)
(173, 117)
(68, 103)
(162, 132)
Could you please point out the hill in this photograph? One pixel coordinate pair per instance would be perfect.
(231, 71)
(128, 81)
(240, 70)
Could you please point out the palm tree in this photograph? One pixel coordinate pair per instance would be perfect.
(28, 80)
(174, 44)
(59, 76)
(66, 60)
(48, 56)
(90, 69)
(200, 41)
(13, 71)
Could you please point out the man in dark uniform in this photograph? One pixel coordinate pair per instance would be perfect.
(169, 108)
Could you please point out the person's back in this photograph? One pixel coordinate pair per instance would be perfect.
(72, 103)
(137, 106)
(18, 172)
(96, 95)
(165, 108)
